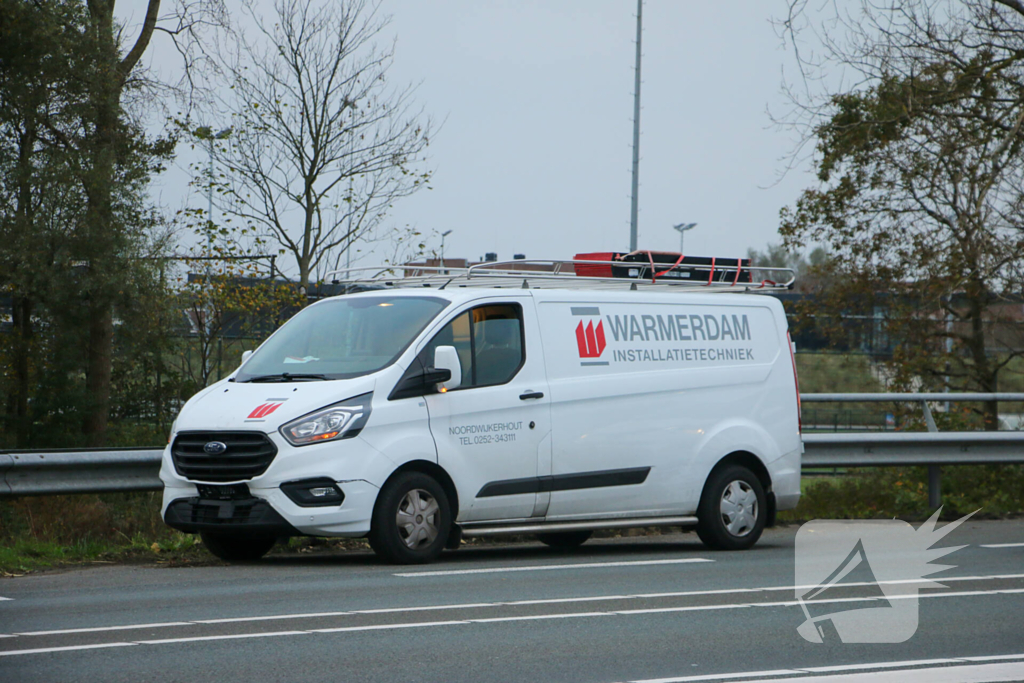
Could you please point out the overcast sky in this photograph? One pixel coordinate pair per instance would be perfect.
(535, 153)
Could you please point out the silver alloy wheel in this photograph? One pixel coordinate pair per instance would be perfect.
(739, 508)
(417, 518)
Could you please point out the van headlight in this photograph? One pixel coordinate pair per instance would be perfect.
(339, 421)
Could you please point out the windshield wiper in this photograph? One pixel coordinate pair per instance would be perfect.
(287, 377)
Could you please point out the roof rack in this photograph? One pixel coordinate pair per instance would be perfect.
(561, 274)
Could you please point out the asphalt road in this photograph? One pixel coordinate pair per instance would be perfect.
(628, 609)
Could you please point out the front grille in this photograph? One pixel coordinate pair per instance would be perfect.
(248, 455)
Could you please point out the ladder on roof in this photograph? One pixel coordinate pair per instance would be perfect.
(562, 274)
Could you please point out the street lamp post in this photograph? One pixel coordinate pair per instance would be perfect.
(682, 228)
(634, 204)
(443, 235)
(206, 133)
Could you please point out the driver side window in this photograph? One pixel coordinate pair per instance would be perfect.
(489, 341)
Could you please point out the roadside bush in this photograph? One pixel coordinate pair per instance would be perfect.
(884, 493)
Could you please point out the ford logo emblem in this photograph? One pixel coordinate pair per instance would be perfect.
(215, 448)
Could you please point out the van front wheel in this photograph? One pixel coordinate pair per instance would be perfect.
(235, 548)
(411, 521)
(733, 509)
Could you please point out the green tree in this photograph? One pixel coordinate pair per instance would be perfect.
(77, 230)
(776, 255)
(920, 198)
(39, 197)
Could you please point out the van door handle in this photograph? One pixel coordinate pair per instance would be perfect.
(531, 394)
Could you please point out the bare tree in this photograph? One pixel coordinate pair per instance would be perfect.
(919, 153)
(321, 145)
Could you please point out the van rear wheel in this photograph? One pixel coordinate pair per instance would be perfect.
(236, 548)
(733, 509)
(565, 539)
(411, 521)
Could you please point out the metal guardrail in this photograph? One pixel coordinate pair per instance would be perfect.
(882, 449)
(57, 472)
(931, 448)
(34, 473)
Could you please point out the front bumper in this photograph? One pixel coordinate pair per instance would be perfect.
(242, 517)
(354, 466)
(269, 511)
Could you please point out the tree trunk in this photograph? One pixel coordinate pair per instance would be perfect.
(106, 87)
(98, 371)
(985, 376)
(303, 280)
(21, 304)
(102, 255)
(21, 314)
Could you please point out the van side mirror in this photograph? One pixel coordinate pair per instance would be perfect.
(420, 383)
(447, 358)
(245, 356)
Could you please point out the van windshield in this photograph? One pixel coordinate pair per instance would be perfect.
(341, 338)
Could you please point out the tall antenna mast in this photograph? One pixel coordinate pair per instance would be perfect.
(636, 133)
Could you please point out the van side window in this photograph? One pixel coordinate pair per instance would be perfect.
(489, 340)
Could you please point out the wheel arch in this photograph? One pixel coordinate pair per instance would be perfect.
(754, 464)
(431, 469)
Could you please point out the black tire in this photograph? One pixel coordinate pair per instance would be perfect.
(390, 540)
(237, 548)
(714, 518)
(565, 539)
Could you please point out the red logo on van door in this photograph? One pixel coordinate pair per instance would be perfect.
(263, 410)
(590, 339)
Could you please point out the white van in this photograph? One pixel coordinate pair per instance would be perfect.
(435, 407)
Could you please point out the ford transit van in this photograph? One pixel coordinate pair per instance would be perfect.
(450, 404)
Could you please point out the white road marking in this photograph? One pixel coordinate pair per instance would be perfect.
(381, 627)
(97, 629)
(543, 567)
(723, 677)
(965, 673)
(876, 665)
(542, 601)
(951, 670)
(1004, 545)
(463, 622)
(67, 648)
(2, 598)
(232, 636)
